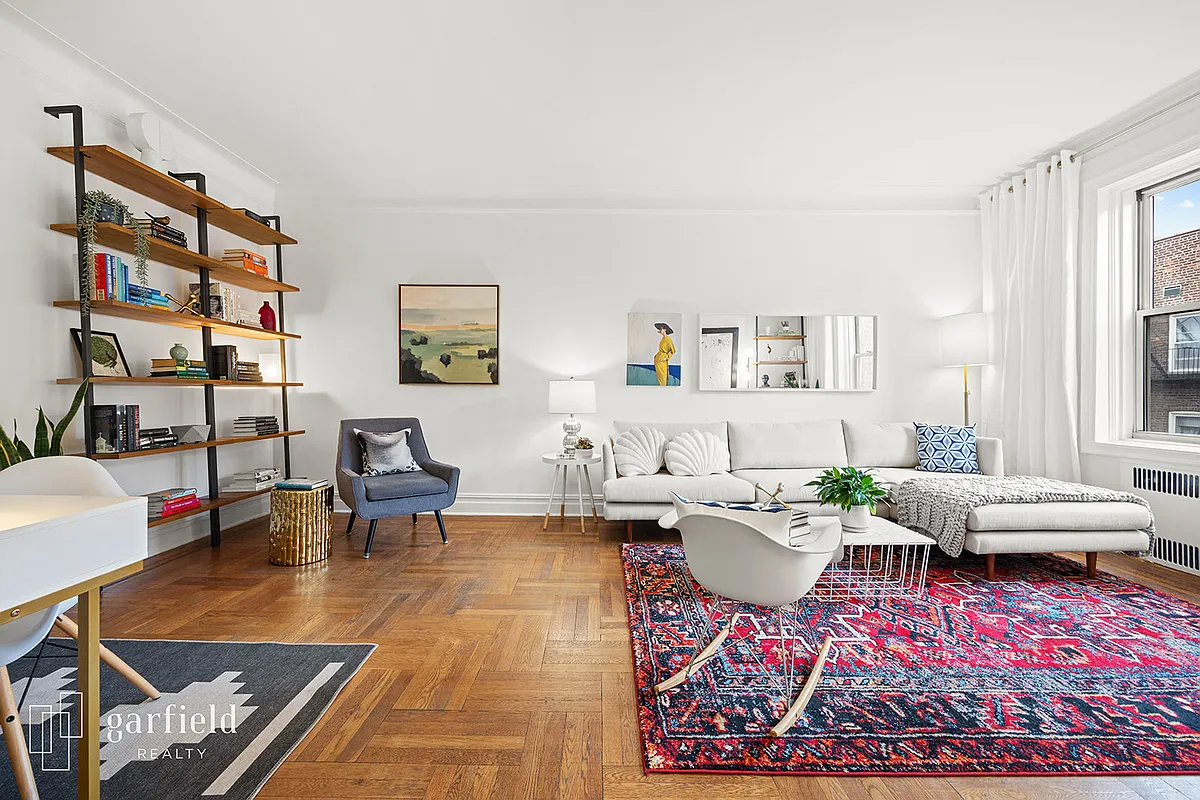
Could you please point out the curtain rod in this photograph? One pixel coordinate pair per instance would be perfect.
(1134, 126)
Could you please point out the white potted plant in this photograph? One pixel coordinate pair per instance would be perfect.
(855, 492)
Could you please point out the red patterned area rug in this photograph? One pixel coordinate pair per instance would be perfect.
(1040, 672)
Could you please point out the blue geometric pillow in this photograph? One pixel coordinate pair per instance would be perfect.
(946, 448)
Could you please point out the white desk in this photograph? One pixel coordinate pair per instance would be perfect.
(56, 547)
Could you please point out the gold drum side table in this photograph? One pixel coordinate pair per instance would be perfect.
(301, 521)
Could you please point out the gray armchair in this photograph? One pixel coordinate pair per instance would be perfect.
(375, 497)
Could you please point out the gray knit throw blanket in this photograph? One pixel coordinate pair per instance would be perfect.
(939, 506)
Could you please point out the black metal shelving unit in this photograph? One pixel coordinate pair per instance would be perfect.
(131, 174)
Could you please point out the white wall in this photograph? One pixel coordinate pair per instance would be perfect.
(567, 281)
(38, 265)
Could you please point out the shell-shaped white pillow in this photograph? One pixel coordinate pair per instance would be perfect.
(639, 451)
(696, 453)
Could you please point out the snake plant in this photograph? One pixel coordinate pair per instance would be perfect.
(87, 223)
(47, 437)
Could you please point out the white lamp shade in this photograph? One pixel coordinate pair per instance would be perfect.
(964, 340)
(270, 367)
(572, 397)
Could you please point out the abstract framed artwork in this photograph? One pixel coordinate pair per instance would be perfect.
(653, 357)
(718, 358)
(450, 334)
(108, 359)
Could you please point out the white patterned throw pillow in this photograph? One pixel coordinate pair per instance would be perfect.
(386, 453)
(639, 451)
(696, 453)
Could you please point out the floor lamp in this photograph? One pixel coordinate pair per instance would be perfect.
(964, 344)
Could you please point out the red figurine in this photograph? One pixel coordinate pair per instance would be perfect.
(266, 316)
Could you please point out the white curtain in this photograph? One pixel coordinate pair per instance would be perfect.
(1030, 278)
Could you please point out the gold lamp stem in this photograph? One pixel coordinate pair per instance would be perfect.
(966, 399)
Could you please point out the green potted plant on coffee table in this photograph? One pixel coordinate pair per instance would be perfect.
(854, 491)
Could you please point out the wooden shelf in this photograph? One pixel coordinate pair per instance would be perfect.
(121, 238)
(113, 308)
(144, 381)
(207, 505)
(179, 448)
(110, 163)
(778, 338)
(235, 221)
(779, 363)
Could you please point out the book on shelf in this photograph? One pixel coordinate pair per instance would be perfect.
(249, 371)
(110, 277)
(116, 427)
(224, 362)
(301, 484)
(171, 501)
(160, 230)
(241, 254)
(254, 480)
(255, 426)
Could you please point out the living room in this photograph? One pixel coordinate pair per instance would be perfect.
(841, 440)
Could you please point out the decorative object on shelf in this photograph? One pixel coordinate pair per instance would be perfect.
(572, 397)
(964, 344)
(301, 522)
(789, 380)
(584, 443)
(270, 367)
(766, 381)
(785, 328)
(108, 359)
(191, 434)
(154, 138)
(99, 206)
(772, 497)
(651, 350)
(450, 333)
(266, 316)
(216, 299)
(180, 354)
(795, 353)
(190, 306)
(47, 436)
(854, 491)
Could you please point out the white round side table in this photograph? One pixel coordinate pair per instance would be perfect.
(581, 461)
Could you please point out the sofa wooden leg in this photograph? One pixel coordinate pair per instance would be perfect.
(1091, 564)
(370, 538)
(629, 530)
(350, 527)
(989, 565)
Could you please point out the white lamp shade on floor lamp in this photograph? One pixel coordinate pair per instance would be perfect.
(572, 397)
(964, 340)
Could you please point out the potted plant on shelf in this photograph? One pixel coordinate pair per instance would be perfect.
(47, 437)
(854, 491)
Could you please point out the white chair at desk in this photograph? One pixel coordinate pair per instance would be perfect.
(48, 476)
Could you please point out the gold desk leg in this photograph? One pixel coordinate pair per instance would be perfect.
(89, 686)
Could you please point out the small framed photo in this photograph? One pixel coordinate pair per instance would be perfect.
(108, 359)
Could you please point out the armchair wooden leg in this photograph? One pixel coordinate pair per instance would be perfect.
(629, 530)
(370, 538)
(1091, 564)
(14, 739)
(441, 526)
(989, 565)
(350, 527)
(414, 519)
(67, 626)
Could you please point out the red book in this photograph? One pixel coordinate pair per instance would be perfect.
(182, 504)
(101, 278)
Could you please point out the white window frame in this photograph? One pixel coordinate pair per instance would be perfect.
(1173, 421)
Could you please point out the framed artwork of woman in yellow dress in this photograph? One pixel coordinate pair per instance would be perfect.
(653, 358)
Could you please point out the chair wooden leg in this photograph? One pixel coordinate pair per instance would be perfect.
(414, 519)
(629, 530)
(14, 739)
(989, 566)
(441, 526)
(350, 527)
(370, 538)
(699, 660)
(1091, 564)
(806, 693)
(68, 626)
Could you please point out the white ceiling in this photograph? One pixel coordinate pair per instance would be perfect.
(644, 103)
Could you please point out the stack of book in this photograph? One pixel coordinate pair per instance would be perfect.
(111, 276)
(248, 318)
(171, 502)
(800, 527)
(254, 480)
(255, 426)
(167, 368)
(224, 362)
(246, 259)
(161, 230)
(154, 438)
(145, 296)
(301, 484)
(116, 428)
(249, 371)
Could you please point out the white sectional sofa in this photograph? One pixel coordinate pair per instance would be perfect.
(769, 453)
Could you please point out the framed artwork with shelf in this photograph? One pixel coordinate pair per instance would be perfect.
(108, 359)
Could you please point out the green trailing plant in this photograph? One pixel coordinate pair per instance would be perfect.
(47, 437)
(91, 207)
(846, 487)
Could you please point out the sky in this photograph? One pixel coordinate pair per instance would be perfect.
(1177, 211)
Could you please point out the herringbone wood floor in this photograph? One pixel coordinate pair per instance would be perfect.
(503, 668)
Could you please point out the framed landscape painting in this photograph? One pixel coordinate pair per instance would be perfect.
(450, 333)
(653, 350)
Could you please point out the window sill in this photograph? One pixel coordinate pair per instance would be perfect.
(1175, 453)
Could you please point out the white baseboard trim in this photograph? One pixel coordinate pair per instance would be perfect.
(502, 505)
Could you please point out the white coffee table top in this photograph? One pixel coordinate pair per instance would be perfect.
(581, 457)
(883, 531)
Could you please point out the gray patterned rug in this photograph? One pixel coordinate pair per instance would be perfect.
(229, 714)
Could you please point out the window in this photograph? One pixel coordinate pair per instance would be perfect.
(1169, 307)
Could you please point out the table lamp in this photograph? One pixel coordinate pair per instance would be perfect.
(964, 344)
(572, 397)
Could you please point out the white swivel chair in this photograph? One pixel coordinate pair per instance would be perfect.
(58, 475)
(736, 561)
